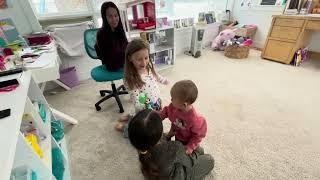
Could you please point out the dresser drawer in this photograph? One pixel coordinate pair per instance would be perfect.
(289, 22)
(282, 32)
(314, 25)
(278, 51)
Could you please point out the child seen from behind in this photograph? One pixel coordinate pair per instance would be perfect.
(161, 159)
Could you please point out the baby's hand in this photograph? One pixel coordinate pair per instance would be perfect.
(189, 151)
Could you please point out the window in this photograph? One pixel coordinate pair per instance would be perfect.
(97, 3)
(177, 9)
(46, 7)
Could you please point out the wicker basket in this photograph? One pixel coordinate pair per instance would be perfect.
(244, 31)
(236, 52)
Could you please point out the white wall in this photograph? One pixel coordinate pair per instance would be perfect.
(262, 17)
(182, 37)
(258, 16)
(22, 15)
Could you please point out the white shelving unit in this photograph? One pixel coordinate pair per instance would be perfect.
(16, 151)
(161, 39)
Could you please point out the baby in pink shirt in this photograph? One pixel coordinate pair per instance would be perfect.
(188, 126)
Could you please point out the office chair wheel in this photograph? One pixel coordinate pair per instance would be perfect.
(98, 108)
(102, 94)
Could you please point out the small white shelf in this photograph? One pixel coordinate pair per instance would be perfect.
(183, 28)
(25, 156)
(15, 150)
(165, 28)
(138, 31)
(162, 53)
(161, 48)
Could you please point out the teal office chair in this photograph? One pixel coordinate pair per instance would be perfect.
(101, 74)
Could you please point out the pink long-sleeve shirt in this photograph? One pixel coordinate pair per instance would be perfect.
(190, 127)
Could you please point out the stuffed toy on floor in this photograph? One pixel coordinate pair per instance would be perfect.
(225, 35)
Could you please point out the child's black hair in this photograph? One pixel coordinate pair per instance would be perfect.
(145, 129)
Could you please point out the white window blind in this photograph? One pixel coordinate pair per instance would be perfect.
(177, 9)
(47, 7)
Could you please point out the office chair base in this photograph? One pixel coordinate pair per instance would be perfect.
(116, 92)
(104, 92)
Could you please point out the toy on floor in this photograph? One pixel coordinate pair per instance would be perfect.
(239, 41)
(218, 42)
(300, 56)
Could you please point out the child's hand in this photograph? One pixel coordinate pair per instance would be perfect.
(166, 82)
(189, 151)
(169, 135)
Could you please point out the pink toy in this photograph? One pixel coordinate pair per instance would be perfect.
(217, 43)
(2, 64)
(248, 42)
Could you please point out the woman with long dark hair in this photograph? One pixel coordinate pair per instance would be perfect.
(111, 38)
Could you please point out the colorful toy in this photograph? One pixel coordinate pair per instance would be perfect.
(148, 104)
(2, 63)
(58, 167)
(157, 105)
(42, 112)
(217, 43)
(32, 139)
(300, 56)
(247, 42)
(57, 130)
(144, 100)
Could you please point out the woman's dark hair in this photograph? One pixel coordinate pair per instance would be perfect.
(105, 25)
(145, 131)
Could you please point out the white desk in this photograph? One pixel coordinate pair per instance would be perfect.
(48, 73)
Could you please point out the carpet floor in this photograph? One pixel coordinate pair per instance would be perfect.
(263, 120)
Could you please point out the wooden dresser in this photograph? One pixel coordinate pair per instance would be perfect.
(287, 34)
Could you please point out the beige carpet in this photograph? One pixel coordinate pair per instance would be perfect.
(263, 120)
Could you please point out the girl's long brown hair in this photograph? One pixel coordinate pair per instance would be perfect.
(131, 75)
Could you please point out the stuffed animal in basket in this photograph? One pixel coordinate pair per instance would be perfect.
(217, 43)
